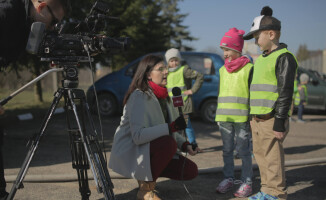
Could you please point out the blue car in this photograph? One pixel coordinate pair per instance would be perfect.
(112, 88)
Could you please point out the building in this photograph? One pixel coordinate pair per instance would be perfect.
(251, 49)
(316, 61)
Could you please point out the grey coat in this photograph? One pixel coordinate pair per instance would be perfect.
(142, 122)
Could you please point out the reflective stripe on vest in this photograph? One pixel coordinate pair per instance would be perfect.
(297, 95)
(176, 79)
(263, 89)
(233, 99)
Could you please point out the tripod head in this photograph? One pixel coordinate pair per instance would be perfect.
(70, 75)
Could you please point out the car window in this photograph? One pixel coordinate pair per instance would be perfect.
(132, 69)
(200, 63)
(317, 74)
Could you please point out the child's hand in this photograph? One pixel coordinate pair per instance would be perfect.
(187, 92)
(279, 135)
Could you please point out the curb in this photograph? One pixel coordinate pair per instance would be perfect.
(113, 175)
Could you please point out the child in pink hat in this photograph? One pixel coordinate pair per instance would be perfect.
(232, 114)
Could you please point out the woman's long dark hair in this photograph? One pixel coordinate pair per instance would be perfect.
(139, 81)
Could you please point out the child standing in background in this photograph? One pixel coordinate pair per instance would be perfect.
(182, 76)
(301, 97)
(232, 112)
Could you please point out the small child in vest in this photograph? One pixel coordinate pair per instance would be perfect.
(182, 76)
(295, 91)
(271, 93)
(301, 96)
(232, 112)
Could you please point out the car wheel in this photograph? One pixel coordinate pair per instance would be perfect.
(107, 104)
(208, 110)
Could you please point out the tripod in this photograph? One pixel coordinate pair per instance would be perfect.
(85, 148)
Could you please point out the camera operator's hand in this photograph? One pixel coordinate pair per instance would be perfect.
(2, 110)
(178, 124)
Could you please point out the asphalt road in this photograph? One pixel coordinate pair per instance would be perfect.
(53, 159)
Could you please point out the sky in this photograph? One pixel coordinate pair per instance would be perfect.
(302, 21)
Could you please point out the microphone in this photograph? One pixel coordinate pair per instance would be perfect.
(177, 99)
(35, 37)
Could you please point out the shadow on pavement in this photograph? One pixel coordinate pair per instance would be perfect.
(203, 186)
(54, 146)
(303, 149)
(313, 176)
(316, 120)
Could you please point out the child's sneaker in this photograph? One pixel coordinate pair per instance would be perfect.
(244, 190)
(258, 196)
(263, 196)
(269, 197)
(225, 185)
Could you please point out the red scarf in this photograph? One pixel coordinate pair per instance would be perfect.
(159, 91)
(236, 64)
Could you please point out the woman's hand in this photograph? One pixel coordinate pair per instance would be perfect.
(198, 150)
(190, 151)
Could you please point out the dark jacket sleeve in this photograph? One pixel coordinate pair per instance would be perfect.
(286, 67)
(251, 72)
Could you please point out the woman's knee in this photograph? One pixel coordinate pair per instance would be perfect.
(191, 170)
(168, 143)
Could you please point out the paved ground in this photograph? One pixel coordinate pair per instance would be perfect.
(52, 159)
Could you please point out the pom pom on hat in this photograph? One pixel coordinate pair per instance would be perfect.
(267, 11)
(233, 39)
(263, 22)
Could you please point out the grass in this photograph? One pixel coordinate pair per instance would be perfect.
(25, 103)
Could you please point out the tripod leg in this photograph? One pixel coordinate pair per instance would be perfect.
(79, 157)
(34, 142)
(92, 147)
(99, 161)
(80, 163)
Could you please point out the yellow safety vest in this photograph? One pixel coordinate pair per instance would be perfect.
(176, 79)
(297, 96)
(233, 98)
(263, 89)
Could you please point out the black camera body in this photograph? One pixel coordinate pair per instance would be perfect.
(76, 41)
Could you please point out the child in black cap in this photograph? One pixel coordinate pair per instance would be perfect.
(271, 94)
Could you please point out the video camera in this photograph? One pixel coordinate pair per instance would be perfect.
(76, 41)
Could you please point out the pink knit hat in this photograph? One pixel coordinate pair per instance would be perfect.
(233, 39)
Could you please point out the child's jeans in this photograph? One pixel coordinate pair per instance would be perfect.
(300, 110)
(190, 133)
(240, 131)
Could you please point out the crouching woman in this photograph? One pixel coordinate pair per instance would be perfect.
(147, 142)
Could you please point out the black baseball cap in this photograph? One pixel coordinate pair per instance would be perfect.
(263, 22)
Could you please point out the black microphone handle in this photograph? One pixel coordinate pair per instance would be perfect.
(180, 111)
